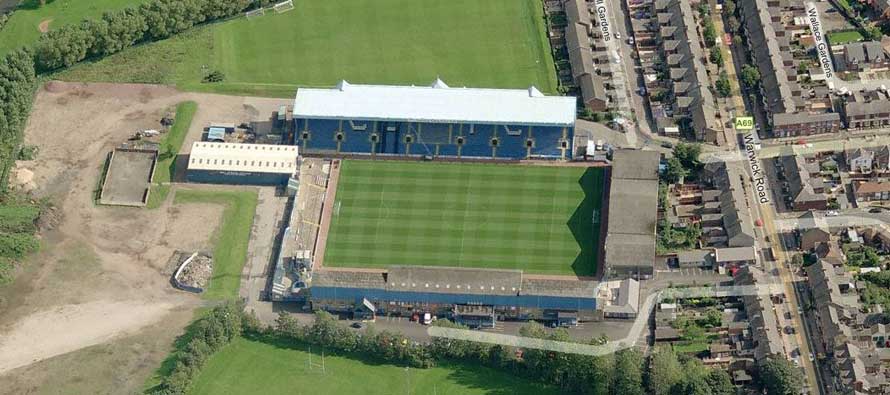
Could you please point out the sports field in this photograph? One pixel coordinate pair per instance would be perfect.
(23, 27)
(491, 43)
(250, 366)
(535, 218)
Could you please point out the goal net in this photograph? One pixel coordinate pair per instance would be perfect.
(284, 6)
(255, 13)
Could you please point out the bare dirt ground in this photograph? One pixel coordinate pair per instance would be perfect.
(97, 281)
(44, 25)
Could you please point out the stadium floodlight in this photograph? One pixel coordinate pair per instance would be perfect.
(254, 13)
(284, 6)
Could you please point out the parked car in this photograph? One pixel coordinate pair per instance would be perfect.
(631, 41)
(875, 210)
(832, 213)
(617, 35)
(357, 325)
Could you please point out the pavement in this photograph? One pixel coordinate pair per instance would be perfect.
(255, 275)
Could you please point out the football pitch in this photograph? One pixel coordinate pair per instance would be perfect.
(540, 219)
(491, 43)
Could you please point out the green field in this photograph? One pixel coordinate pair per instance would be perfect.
(250, 366)
(534, 218)
(492, 43)
(230, 241)
(23, 27)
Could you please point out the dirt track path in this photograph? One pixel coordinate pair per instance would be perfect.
(71, 327)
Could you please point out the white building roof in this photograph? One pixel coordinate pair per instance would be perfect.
(435, 103)
(256, 158)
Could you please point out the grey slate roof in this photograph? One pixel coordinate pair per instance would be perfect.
(632, 211)
(679, 34)
(342, 278)
(635, 164)
(763, 39)
(551, 287)
(577, 12)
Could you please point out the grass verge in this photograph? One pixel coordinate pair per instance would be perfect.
(172, 142)
(230, 241)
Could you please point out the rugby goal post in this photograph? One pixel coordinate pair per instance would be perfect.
(255, 13)
(283, 6)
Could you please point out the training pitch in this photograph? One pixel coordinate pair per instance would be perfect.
(540, 219)
(488, 44)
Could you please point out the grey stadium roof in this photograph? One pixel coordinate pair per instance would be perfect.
(453, 280)
(635, 164)
(435, 103)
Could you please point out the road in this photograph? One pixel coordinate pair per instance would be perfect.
(769, 236)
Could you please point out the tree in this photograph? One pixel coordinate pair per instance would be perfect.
(628, 374)
(750, 76)
(710, 33)
(720, 382)
(872, 33)
(694, 379)
(716, 56)
(732, 24)
(729, 7)
(724, 88)
(674, 171)
(688, 154)
(63, 47)
(779, 377)
(665, 371)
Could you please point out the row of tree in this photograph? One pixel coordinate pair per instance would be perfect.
(623, 372)
(670, 374)
(18, 82)
(206, 336)
(116, 30)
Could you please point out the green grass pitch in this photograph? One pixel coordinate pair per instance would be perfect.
(490, 43)
(535, 218)
(250, 366)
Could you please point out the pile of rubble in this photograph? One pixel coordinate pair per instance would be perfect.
(195, 273)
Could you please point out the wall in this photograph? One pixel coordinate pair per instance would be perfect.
(235, 178)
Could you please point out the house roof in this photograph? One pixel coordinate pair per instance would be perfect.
(693, 256)
(435, 103)
(577, 12)
(735, 254)
(868, 187)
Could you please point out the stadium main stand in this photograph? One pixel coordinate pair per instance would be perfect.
(434, 120)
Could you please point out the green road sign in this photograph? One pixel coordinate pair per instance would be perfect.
(744, 123)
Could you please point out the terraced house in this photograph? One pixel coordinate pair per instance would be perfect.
(684, 56)
(790, 110)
